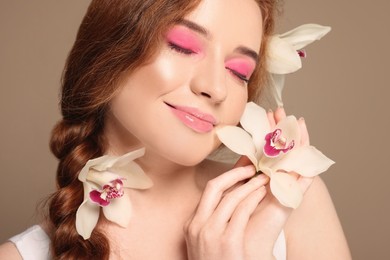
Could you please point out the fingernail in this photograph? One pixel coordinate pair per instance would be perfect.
(302, 119)
(270, 110)
(262, 177)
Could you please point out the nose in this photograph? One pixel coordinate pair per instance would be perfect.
(209, 81)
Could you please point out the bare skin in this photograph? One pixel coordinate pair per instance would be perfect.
(159, 218)
(209, 213)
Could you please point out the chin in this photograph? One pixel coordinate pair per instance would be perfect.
(190, 162)
(188, 155)
(188, 159)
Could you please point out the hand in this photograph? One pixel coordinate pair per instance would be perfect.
(237, 219)
(217, 230)
(270, 217)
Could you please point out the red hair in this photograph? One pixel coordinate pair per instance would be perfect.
(113, 40)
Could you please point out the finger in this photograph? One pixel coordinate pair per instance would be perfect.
(305, 140)
(271, 118)
(215, 188)
(244, 211)
(233, 199)
(280, 114)
(243, 161)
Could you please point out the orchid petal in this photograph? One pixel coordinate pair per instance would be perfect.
(90, 163)
(305, 160)
(286, 189)
(268, 162)
(239, 141)
(119, 211)
(133, 176)
(106, 161)
(277, 81)
(266, 170)
(305, 34)
(276, 144)
(102, 163)
(95, 196)
(290, 129)
(255, 121)
(282, 57)
(87, 215)
(271, 97)
(101, 178)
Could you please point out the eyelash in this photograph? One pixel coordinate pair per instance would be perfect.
(180, 49)
(238, 75)
(186, 51)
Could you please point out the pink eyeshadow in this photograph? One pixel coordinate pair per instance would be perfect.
(184, 38)
(241, 65)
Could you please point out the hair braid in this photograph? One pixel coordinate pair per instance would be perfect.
(73, 145)
(112, 41)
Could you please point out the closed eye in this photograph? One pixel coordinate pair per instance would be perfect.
(238, 75)
(180, 49)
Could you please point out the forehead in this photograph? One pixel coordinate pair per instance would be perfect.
(235, 22)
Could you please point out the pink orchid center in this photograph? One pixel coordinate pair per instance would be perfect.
(110, 191)
(302, 53)
(276, 143)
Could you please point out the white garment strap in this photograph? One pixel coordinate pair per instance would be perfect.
(280, 249)
(32, 244)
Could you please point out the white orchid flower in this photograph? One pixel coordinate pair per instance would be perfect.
(285, 49)
(275, 152)
(284, 57)
(104, 180)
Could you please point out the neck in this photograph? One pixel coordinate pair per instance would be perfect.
(119, 141)
(167, 175)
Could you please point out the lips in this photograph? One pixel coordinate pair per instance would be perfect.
(193, 118)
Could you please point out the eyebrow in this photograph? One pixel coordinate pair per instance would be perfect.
(248, 52)
(195, 27)
(203, 31)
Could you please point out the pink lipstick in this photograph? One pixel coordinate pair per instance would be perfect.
(193, 118)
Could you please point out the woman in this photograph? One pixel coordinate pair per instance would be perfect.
(165, 75)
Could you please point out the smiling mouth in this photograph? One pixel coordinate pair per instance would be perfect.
(193, 118)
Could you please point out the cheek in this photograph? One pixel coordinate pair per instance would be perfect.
(165, 74)
(168, 72)
(235, 105)
(149, 83)
(121, 107)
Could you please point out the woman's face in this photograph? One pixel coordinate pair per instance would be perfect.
(196, 83)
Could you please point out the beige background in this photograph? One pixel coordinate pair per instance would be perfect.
(342, 92)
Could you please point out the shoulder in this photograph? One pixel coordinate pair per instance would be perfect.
(33, 243)
(314, 227)
(8, 250)
(316, 198)
(316, 201)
